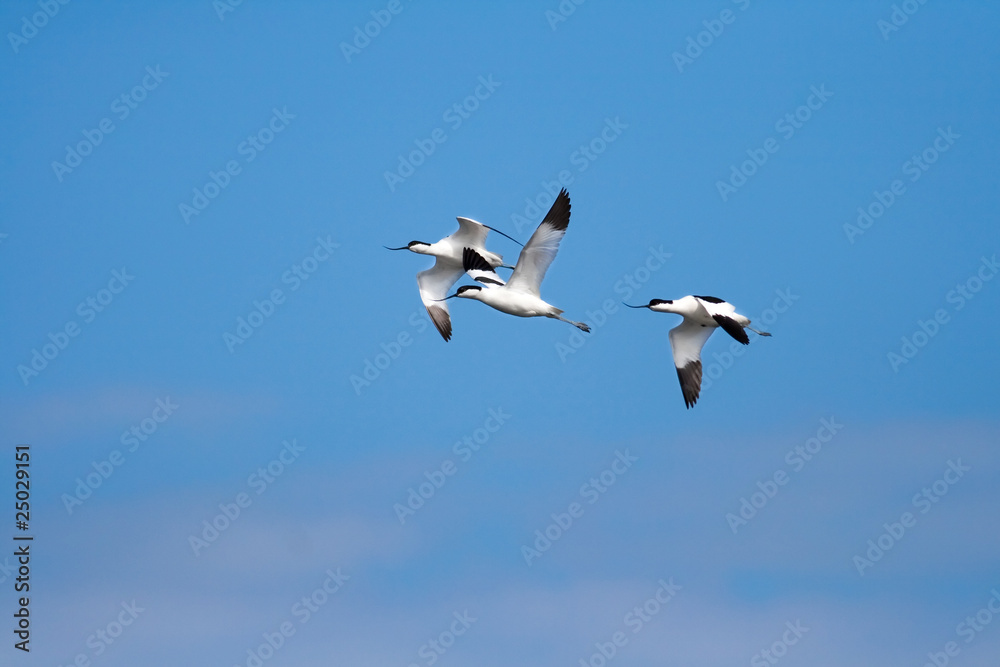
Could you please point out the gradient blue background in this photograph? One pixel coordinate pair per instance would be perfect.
(654, 186)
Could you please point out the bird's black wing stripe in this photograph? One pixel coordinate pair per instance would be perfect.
(710, 299)
(690, 377)
(558, 215)
(732, 328)
(473, 261)
(486, 280)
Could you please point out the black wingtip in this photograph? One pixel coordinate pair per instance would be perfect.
(558, 215)
(441, 320)
(690, 379)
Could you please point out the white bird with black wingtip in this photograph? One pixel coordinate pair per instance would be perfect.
(521, 294)
(702, 315)
(435, 282)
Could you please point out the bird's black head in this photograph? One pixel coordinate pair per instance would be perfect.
(656, 302)
(465, 291)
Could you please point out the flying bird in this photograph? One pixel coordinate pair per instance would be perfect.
(520, 295)
(702, 315)
(435, 282)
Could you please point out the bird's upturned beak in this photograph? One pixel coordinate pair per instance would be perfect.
(403, 248)
(630, 306)
(502, 234)
(447, 297)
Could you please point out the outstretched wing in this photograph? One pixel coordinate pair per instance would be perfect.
(686, 341)
(479, 269)
(434, 284)
(470, 233)
(541, 248)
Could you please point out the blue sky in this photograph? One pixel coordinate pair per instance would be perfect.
(168, 171)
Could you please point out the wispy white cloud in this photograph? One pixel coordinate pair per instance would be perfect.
(666, 521)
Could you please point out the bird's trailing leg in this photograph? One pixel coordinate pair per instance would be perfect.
(579, 325)
(759, 333)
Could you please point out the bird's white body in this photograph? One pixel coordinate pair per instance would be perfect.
(470, 234)
(514, 303)
(702, 316)
(700, 310)
(521, 295)
(435, 282)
